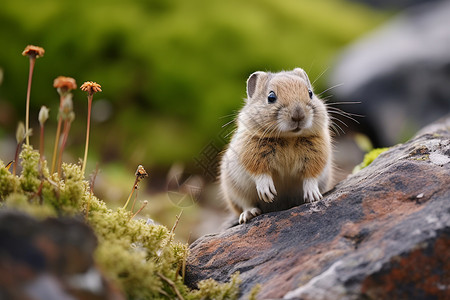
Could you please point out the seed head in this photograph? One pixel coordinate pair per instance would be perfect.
(43, 115)
(20, 133)
(33, 51)
(64, 84)
(91, 87)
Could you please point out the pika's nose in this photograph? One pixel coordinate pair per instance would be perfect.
(298, 114)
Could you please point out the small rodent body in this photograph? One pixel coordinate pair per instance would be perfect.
(280, 155)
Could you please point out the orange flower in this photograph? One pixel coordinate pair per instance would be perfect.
(65, 83)
(91, 87)
(34, 51)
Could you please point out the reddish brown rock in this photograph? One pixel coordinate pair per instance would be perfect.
(383, 233)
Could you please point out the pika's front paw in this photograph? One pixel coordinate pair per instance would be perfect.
(265, 188)
(249, 214)
(311, 191)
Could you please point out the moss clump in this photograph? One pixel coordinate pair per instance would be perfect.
(369, 158)
(219, 291)
(142, 259)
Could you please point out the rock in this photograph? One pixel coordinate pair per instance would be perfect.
(49, 259)
(399, 73)
(386, 4)
(383, 233)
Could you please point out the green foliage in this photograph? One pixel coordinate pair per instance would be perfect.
(173, 69)
(369, 158)
(142, 259)
(219, 291)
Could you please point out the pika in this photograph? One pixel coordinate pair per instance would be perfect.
(280, 155)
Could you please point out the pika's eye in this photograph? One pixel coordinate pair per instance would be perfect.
(310, 94)
(272, 98)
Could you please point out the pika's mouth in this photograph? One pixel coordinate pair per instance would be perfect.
(296, 129)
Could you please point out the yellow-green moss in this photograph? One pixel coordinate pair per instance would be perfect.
(369, 158)
(142, 259)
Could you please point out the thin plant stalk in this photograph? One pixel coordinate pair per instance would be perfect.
(16, 157)
(132, 191)
(144, 204)
(87, 134)
(134, 201)
(58, 133)
(41, 144)
(43, 116)
(20, 137)
(63, 143)
(63, 86)
(27, 112)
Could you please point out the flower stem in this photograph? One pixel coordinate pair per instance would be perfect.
(87, 134)
(58, 132)
(41, 144)
(27, 112)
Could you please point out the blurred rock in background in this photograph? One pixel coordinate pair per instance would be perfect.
(399, 4)
(400, 73)
(50, 259)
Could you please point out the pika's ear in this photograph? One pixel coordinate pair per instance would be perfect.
(300, 72)
(254, 82)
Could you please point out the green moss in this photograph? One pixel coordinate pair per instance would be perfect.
(219, 291)
(8, 182)
(142, 259)
(254, 292)
(369, 158)
(29, 179)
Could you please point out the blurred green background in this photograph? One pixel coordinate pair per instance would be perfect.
(172, 71)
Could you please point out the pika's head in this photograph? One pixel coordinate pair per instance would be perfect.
(282, 104)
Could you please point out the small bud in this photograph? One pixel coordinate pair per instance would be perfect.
(20, 133)
(43, 115)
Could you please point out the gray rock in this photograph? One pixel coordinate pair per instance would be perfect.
(383, 233)
(386, 4)
(400, 73)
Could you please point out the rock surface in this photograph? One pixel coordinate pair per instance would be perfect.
(399, 73)
(383, 233)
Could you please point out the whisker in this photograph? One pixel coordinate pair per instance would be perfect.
(345, 116)
(230, 133)
(348, 102)
(320, 75)
(343, 113)
(228, 123)
(330, 88)
(337, 119)
(333, 125)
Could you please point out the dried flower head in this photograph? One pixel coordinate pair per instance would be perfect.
(43, 115)
(64, 83)
(140, 172)
(91, 87)
(33, 51)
